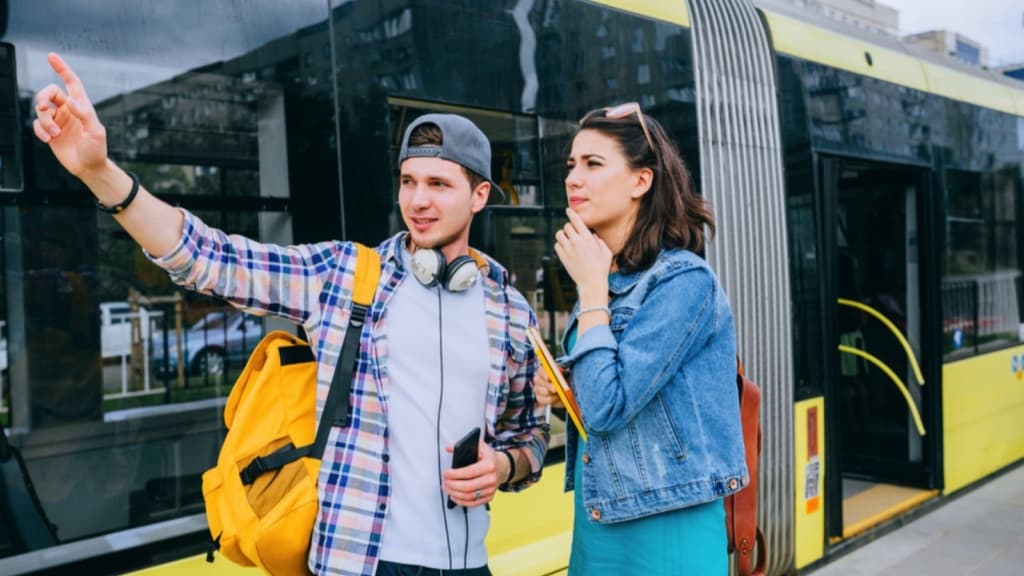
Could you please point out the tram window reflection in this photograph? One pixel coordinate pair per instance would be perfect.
(981, 283)
(514, 145)
(109, 441)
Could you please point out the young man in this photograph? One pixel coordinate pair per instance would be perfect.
(443, 353)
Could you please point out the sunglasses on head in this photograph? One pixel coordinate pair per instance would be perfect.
(622, 111)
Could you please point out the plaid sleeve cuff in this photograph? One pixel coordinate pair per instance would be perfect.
(179, 261)
(534, 451)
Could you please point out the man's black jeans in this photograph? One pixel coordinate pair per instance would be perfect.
(395, 569)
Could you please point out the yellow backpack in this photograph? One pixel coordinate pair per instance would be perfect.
(261, 497)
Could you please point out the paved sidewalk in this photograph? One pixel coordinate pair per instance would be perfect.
(979, 533)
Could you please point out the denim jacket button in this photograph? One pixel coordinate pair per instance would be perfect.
(733, 483)
(586, 458)
(595, 514)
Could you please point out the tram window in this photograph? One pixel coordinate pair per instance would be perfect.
(219, 116)
(202, 134)
(5, 400)
(238, 106)
(981, 283)
(10, 133)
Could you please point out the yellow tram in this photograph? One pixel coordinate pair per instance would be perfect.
(868, 198)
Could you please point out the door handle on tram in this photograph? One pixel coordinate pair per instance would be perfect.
(895, 379)
(892, 328)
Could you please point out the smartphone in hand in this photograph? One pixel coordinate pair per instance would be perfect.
(466, 449)
(465, 453)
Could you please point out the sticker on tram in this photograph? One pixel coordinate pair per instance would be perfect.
(1017, 366)
(812, 469)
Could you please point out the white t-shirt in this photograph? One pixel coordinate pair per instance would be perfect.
(415, 531)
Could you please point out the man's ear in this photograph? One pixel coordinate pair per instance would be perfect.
(644, 179)
(480, 195)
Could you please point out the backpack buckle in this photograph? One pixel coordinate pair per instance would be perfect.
(252, 471)
(358, 314)
(212, 547)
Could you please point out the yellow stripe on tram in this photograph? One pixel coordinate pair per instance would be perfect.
(674, 12)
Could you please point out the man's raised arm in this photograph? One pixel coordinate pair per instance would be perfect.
(67, 121)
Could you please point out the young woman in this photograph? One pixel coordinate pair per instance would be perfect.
(652, 358)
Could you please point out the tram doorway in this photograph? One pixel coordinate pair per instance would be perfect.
(877, 398)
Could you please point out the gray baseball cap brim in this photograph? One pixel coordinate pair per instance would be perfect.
(462, 142)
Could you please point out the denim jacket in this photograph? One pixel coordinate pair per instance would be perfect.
(657, 393)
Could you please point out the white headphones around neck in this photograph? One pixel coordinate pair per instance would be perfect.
(430, 268)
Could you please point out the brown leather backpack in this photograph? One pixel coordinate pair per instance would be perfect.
(741, 508)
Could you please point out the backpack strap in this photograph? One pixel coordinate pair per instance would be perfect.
(336, 408)
(748, 538)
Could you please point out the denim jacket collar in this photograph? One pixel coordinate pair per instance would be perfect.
(621, 282)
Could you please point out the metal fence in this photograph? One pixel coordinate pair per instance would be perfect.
(980, 311)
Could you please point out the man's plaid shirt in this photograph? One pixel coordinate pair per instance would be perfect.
(311, 285)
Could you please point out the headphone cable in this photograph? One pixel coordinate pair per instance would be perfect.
(465, 548)
(440, 402)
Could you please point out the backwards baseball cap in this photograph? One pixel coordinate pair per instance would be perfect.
(461, 142)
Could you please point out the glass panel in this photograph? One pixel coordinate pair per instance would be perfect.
(397, 60)
(861, 115)
(981, 280)
(230, 111)
(514, 147)
(11, 176)
(5, 377)
(877, 266)
(802, 222)
(544, 66)
(206, 107)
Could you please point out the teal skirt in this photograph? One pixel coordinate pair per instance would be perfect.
(684, 542)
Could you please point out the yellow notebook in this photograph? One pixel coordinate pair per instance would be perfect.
(555, 377)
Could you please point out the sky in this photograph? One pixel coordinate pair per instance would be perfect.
(997, 24)
(121, 46)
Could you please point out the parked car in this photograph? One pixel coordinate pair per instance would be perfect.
(116, 325)
(214, 342)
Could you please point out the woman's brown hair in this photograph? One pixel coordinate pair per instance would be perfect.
(672, 214)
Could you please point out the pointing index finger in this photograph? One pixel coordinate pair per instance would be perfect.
(75, 88)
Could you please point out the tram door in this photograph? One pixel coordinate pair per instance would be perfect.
(877, 396)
